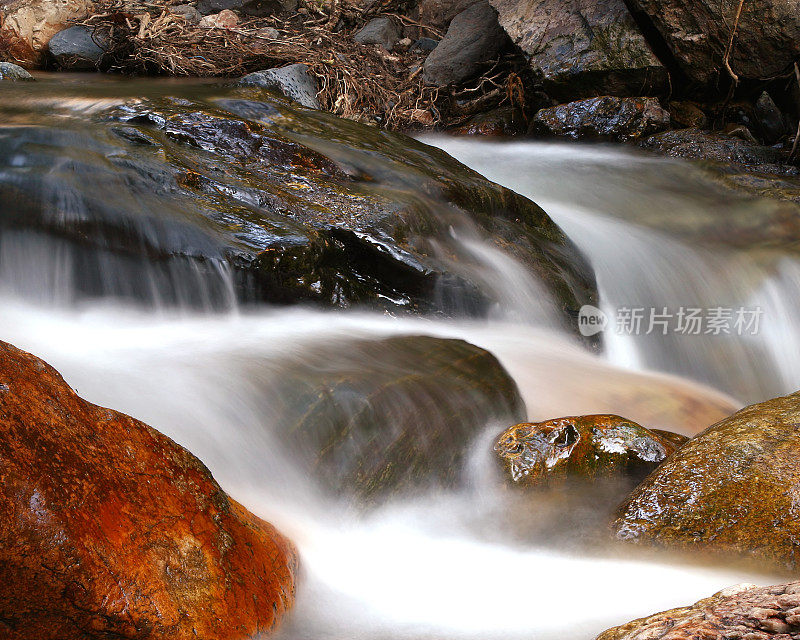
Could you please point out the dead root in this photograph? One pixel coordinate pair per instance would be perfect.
(358, 82)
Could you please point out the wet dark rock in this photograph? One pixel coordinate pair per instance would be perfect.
(10, 71)
(697, 33)
(257, 8)
(382, 416)
(771, 121)
(605, 118)
(687, 115)
(731, 489)
(707, 145)
(217, 195)
(78, 48)
(295, 81)
(473, 37)
(583, 48)
(744, 611)
(585, 447)
(382, 30)
(110, 529)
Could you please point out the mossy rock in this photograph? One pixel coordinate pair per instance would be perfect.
(731, 489)
(375, 417)
(581, 447)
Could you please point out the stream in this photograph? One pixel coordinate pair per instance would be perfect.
(443, 563)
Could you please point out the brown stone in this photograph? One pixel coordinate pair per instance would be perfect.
(687, 114)
(731, 489)
(111, 530)
(740, 612)
(26, 26)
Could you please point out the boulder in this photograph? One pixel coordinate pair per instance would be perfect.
(707, 145)
(295, 81)
(698, 32)
(225, 19)
(604, 118)
(731, 489)
(77, 48)
(687, 114)
(473, 37)
(583, 48)
(501, 121)
(209, 198)
(345, 412)
(110, 529)
(582, 447)
(10, 71)
(439, 13)
(256, 8)
(382, 30)
(26, 26)
(742, 611)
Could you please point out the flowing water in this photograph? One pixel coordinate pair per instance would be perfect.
(440, 564)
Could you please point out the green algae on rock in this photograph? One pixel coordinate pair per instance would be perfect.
(585, 447)
(731, 489)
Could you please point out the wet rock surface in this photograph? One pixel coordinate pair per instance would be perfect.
(584, 447)
(353, 415)
(698, 33)
(255, 200)
(730, 489)
(293, 81)
(583, 48)
(77, 48)
(742, 611)
(603, 118)
(110, 529)
(473, 37)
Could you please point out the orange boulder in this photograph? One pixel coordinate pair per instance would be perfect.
(110, 529)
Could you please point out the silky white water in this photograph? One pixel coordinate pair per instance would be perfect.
(443, 564)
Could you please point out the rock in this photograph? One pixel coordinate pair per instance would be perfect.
(271, 33)
(295, 81)
(78, 48)
(697, 33)
(692, 143)
(26, 26)
(344, 413)
(730, 489)
(188, 12)
(742, 611)
(605, 118)
(382, 30)
(687, 114)
(583, 48)
(110, 529)
(206, 199)
(677, 439)
(257, 8)
(425, 44)
(9, 71)
(473, 37)
(439, 13)
(225, 19)
(773, 126)
(501, 121)
(404, 43)
(585, 447)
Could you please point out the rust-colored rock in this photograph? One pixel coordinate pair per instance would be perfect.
(581, 446)
(26, 26)
(111, 530)
(732, 489)
(742, 611)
